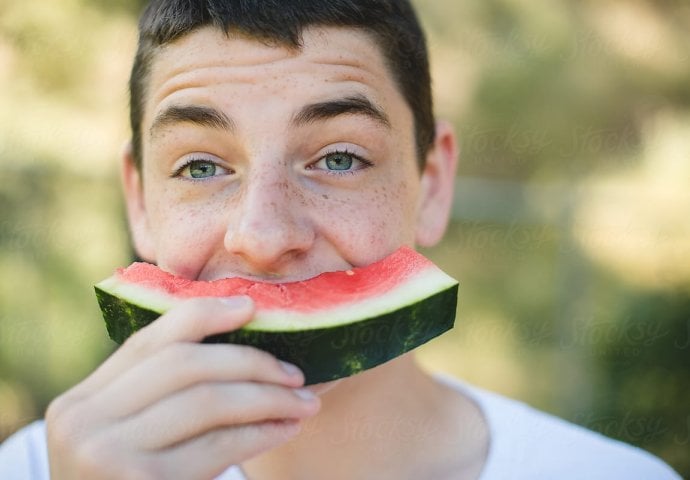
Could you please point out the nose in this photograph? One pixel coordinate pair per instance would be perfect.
(271, 226)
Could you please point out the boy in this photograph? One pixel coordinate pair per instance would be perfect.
(276, 141)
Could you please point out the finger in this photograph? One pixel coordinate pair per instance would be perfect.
(195, 319)
(207, 407)
(191, 321)
(211, 454)
(182, 365)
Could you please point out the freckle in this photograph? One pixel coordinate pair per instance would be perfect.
(325, 197)
(305, 201)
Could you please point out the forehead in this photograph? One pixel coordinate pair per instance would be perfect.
(330, 59)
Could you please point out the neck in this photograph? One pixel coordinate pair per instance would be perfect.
(378, 424)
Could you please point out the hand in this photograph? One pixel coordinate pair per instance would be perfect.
(165, 406)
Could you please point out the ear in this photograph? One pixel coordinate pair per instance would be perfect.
(437, 187)
(136, 207)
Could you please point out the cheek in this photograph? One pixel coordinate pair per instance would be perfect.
(372, 223)
(184, 235)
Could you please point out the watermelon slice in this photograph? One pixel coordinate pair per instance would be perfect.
(331, 326)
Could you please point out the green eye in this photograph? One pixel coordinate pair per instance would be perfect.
(201, 169)
(339, 161)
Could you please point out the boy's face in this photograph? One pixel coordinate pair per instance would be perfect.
(270, 163)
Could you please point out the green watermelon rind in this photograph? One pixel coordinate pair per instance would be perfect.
(323, 353)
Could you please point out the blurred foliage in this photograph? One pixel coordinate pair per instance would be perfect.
(571, 230)
(644, 365)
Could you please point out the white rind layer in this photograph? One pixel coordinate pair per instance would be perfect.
(415, 288)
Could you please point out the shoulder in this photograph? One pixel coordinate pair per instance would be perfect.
(526, 443)
(24, 454)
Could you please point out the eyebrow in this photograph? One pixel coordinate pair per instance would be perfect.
(205, 116)
(356, 104)
(200, 115)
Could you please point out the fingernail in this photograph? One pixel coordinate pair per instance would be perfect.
(238, 302)
(304, 394)
(290, 369)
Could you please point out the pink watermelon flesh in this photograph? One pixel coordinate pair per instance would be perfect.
(328, 290)
(331, 326)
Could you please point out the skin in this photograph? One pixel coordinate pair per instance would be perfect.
(271, 208)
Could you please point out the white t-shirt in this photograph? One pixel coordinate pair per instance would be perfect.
(525, 444)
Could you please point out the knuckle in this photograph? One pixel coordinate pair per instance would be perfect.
(63, 402)
(197, 303)
(197, 309)
(247, 354)
(258, 437)
(95, 455)
(90, 458)
(189, 317)
(269, 401)
(257, 360)
(290, 401)
(184, 354)
(56, 407)
(188, 361)
(138, 344)
(100, 454)
(66, 427)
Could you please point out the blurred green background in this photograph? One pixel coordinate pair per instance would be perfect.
(570, 232)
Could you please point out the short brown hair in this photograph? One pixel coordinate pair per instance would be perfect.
(392, 23)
